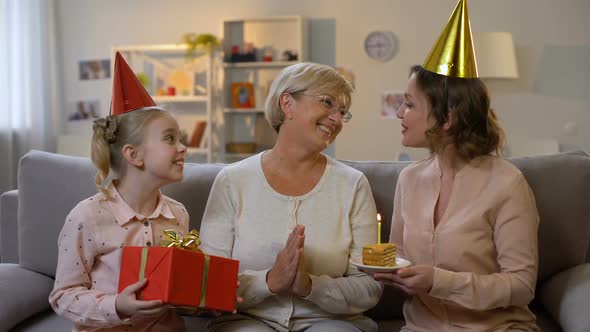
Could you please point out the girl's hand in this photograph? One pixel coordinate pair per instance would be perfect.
(280, 277)
(127, 304)
(239, 300)
(412, 280)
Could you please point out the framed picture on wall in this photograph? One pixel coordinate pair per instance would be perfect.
(87, 109)
(94, 69)
(392, 102)
(242, 95)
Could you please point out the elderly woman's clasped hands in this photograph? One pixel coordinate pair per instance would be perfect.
(288, 274)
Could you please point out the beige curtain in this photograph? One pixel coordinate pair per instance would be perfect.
(28, 82)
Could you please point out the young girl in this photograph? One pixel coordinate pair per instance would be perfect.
(142, 149)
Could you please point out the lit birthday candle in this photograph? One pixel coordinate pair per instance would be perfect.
(378, 228)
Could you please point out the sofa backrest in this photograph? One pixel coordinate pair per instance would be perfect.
(561, 185)
(50, 185)
(382, 176)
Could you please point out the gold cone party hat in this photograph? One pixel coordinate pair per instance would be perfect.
(453, 54)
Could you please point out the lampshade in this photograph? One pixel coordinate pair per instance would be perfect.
(495, 53)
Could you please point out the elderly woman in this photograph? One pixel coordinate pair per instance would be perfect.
(294, 216)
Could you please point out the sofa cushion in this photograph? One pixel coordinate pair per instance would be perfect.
(390, 305)
(43, 322)
(49, 321)
(561, 184)
(194, 189)
(391, 325)
(382, 176)
(9, 227)
(49, 186)
(566, 295)
(545, 322)
(24, 294)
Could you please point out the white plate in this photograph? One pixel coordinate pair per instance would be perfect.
(399, 263)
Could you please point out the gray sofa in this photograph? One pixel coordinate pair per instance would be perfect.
(50, 185)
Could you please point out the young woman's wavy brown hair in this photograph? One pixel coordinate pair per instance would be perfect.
(475, 130)
(111, 134)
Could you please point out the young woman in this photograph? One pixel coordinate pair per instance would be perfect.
(465, 217)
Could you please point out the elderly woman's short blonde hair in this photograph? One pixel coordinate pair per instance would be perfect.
(311, 78)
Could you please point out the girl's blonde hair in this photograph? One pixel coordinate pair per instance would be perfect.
(311, 77)
(111, 134)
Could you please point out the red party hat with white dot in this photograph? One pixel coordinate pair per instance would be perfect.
(128, 92)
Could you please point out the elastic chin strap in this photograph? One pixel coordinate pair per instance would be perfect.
(446, 98)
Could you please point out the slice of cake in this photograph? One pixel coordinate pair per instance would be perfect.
(379, 254)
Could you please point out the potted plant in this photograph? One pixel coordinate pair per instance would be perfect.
(204, 41)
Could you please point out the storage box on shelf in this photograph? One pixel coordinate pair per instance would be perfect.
(181, 82)
(255, 50)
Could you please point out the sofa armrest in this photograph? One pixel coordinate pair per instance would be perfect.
(9, 227)
(566, 296)
(23, 293)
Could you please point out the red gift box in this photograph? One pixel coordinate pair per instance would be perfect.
(181, 277)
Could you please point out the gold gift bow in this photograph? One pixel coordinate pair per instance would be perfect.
(175, 239)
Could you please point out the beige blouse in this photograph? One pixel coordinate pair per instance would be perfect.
(484, 249)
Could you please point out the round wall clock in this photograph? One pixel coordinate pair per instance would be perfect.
(381, 45)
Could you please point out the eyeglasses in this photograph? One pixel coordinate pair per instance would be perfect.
(329, 105)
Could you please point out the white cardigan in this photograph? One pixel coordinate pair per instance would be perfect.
(247, 220)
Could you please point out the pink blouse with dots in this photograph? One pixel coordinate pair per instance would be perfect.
(89, 260)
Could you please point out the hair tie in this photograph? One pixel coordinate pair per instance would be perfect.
(109, 125)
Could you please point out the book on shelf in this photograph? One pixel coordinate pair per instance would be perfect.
(204, 140)
(197, 135)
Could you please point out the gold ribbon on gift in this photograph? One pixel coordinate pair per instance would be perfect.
(144, 256)
(175, 239)
(206, 263)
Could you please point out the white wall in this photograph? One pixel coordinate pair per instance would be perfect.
(89, 28)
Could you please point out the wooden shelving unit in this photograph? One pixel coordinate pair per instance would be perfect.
(167, 65)
(269, 36)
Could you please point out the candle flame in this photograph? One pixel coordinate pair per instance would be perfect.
(378, 216)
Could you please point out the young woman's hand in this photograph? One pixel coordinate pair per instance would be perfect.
(127, 304)
(280, 277)
(412, 280)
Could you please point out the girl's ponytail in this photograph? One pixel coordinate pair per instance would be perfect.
(105, 130)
